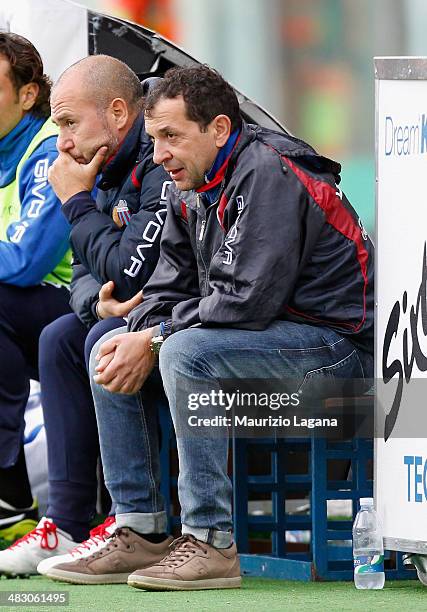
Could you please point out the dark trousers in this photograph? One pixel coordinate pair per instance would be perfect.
(24, 312)
(70, 422)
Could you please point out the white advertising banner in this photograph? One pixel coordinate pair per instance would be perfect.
(401, 297)
(57, 28)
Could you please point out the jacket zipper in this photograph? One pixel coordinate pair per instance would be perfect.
(202, 233)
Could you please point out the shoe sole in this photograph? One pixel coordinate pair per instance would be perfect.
(13, 575)
(162, 584)
(77, 578)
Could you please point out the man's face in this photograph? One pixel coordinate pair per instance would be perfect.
(83, 127)
(185, 152)
(11, 109)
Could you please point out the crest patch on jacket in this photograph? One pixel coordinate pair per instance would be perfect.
(121, 214)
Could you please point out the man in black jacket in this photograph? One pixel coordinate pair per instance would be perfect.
(265, 272)
(97, 105)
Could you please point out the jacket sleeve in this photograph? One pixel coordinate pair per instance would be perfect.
(175, 279)
(39, 239)
(252, 275)
(129, 256)
(84, 290)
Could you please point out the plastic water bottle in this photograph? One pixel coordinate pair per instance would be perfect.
(368, 547)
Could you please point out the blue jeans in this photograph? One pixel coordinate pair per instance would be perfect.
(129, 443)
(195, 359)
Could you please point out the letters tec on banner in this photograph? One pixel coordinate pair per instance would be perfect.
(401, 297)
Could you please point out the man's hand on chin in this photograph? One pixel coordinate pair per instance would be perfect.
(125, 362)
(67, 177)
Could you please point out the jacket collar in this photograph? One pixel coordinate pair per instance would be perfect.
(215, 175)
(128, 153)
(222, 156)
(14, 145)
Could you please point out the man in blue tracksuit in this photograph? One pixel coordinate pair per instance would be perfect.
(34, 255)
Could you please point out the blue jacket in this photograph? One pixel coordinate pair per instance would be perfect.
(280, 241)
(44, 240)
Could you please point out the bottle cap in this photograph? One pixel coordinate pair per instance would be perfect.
(366, 501)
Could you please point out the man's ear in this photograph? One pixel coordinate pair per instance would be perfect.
(120, 112)
(28, 95)
(222, 129)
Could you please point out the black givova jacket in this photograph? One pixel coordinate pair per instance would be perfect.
(281, 241)
(117, 237)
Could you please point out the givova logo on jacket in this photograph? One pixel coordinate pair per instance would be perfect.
(36, 204)
(232, 234)
(151, 232)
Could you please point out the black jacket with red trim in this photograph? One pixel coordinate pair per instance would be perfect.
(105, 251)
(280, 242)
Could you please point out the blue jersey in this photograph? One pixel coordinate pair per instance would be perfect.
(37, 241)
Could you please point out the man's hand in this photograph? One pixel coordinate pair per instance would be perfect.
(125, 362)
(110, 307)
(68, 177)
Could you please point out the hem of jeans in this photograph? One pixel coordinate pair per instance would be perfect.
(143, 522)
(214, 537)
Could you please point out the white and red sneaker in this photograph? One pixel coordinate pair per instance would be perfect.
(46, 540)
(96, 541)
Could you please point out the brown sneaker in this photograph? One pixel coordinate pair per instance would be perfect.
(122, 554)
(191, 565)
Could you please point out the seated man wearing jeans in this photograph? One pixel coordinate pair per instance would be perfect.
(264, 272)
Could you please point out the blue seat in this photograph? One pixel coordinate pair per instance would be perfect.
(332, 470)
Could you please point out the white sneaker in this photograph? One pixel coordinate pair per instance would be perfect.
(97, 539)
(22, 558)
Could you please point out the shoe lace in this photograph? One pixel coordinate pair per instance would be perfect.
(181, 549)
(111, 542)
(96, 535)
(48, 528)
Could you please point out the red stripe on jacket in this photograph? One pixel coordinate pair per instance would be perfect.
(340, 219)
(220, 210)
(137, 183)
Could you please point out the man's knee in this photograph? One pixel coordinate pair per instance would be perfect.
(59, 336)
(94, 348)
(98, 331)
(186, 350)
(176, 347)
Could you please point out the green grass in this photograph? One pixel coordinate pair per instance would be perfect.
(257, 595)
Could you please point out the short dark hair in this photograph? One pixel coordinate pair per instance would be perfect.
(205, 92)
(26, 66)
